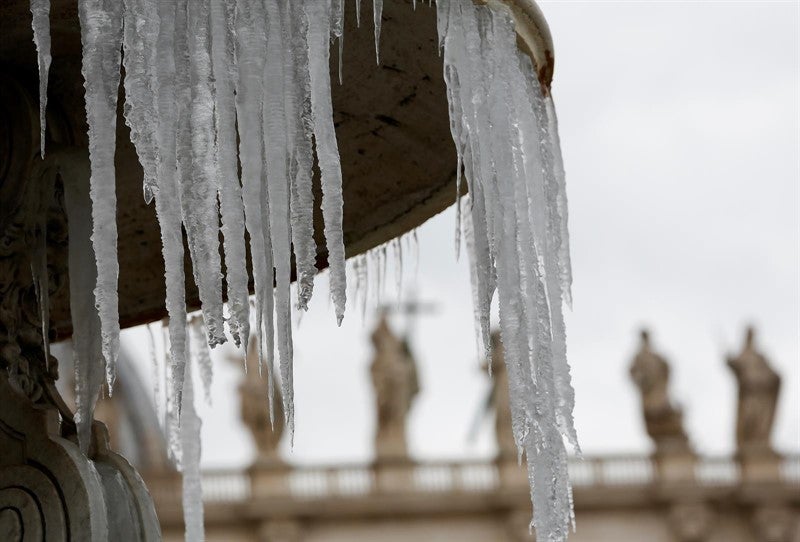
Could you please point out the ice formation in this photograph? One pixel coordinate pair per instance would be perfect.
(202, 355)
(101, 41)
(506, 137)
(40, 12)
(189, 464)
(86, 334)
(196, 71)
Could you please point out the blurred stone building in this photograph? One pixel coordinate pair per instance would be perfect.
(672, 495)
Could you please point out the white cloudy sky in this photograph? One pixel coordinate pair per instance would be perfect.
(680, 125)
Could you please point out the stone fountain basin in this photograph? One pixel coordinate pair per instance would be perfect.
(398, 158)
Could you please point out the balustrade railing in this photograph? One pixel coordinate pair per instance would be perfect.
(304, 483)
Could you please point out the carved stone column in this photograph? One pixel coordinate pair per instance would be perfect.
(49, 490)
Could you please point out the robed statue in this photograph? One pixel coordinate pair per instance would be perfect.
(395, 382)
(759, 386)
(663, 420)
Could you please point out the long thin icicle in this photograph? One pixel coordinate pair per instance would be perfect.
(86, 336)
(101, 38)
(199, 174)
(139, 45)
(230, 191)
(202, 355)
(168, 210)
(276, 152)
(40, 11)
(298, 117)
(45, 174)
(250, 50)
(377, 18)
(156, 372)
(190, 462)
(319, 29)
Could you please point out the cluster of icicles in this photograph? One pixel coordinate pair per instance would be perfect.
(199, 73)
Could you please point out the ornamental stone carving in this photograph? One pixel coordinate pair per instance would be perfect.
(49, 489)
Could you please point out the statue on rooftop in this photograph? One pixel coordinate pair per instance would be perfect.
(663, 420)
(759, 386)
(394, 377)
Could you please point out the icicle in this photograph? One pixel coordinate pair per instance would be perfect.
(157, 375)
(202, 355)
(45, 174)
(139, 45)
(197, 71)
(172, 18)
(101, 38)
(190, 463)
(362, 275)
(318, 14)
(398, 269)
(300, 125)
(550, 202)
(377, 17)
(173, 396)
(513, 223)
(86, 335)
(337, 32)
(230, 191)
(199, 173)
(250, 51)
(276, 152)
(358, 13)
(561, 235)
(40, 12)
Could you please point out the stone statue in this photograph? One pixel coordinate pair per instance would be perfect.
(255, 410)
(663, 420)
(394, 377)
(759, 386)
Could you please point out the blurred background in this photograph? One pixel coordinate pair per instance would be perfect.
(680, 127)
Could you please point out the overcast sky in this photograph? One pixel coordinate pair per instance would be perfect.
(680, 126)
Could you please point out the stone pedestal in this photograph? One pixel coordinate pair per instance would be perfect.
(759, 465)
(269, 478)
(510, 472)
(674, 463)
(394, 475)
